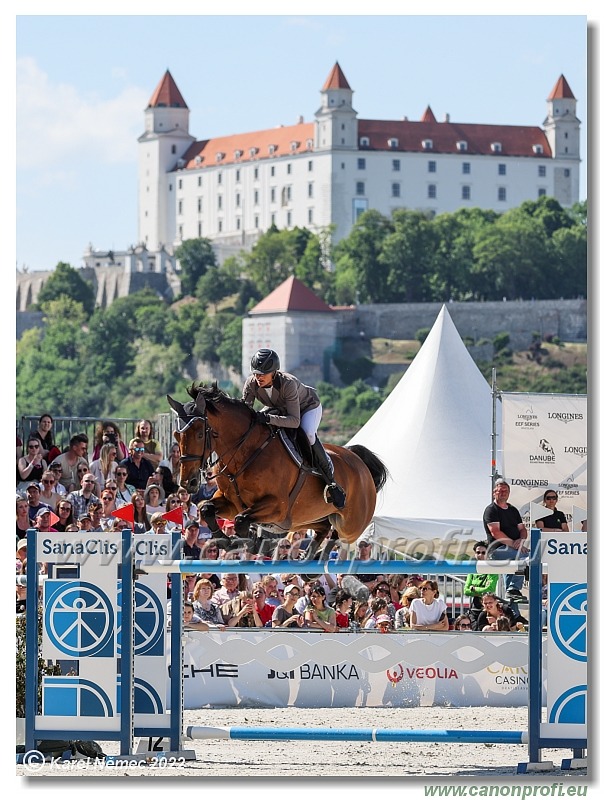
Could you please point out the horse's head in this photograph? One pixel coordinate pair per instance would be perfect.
(192, 434)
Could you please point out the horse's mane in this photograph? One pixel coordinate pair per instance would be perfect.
(216, 398)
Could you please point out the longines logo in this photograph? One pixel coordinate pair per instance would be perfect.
(530, 483)
(564, 416)
(576, 451)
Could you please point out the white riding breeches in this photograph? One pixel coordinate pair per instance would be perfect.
(309, 422)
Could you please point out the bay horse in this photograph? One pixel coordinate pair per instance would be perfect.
(258, 481)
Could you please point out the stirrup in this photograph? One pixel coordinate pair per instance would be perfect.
(335, 495)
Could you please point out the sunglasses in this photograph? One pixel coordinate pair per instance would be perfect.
(480, 552)
(552, 497)
(33, 446)
(464, 625)
(49, 483)
(138, 449)
(121, 474)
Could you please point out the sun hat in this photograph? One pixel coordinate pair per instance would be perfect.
(382, 618)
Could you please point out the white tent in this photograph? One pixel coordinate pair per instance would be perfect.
(434, 433)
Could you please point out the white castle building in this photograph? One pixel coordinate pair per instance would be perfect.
(231, 189)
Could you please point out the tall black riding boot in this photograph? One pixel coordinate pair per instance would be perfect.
(333, 493)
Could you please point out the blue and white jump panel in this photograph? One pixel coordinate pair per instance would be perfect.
(111, 630)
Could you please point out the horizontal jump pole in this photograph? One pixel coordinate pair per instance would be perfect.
(373, 567)
(357, 735)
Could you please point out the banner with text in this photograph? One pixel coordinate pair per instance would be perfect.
(544, 446)
(342, 670)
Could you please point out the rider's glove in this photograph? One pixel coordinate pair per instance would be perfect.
(262, 416)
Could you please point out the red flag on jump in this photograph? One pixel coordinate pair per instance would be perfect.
(53, 518)
(126, 513)
(175, 515)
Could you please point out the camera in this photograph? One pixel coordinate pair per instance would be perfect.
(110, 438)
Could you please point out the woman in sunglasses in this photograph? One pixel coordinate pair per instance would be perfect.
(556, 519)
(31, 466)
(462, 623)
(65, 512)
(429, 611)
(124, 491)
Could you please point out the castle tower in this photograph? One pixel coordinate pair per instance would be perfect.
(563, 129)
(161, 150)
(336, 126)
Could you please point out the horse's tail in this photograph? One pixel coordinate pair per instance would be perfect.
(375, 465)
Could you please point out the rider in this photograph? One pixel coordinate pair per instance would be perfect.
(288, 403)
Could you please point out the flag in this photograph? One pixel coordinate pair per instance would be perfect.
(53, 518)
(175, 515)
(126, 513)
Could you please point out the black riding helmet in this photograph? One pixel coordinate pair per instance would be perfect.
(265, 361)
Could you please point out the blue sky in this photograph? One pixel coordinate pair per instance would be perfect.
(84, 81)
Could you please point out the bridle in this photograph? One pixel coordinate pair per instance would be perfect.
(182, 426)
(226, 457)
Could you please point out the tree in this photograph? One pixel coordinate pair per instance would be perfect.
(195, 257)
(215, 285)
(408, 256)
(357, 261)
(273, 259)
(65, 281)
(229, 350)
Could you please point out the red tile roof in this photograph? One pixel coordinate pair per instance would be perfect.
(561, 90)
(285, 140)
(336, 79)
(167, 94)
(291, 295)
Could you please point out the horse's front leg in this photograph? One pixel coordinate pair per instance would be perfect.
(217, 506)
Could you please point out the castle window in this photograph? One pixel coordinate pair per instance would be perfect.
(396, 165)
(237, 175)
(289, 219)
(432, 191)
(271, 149)
(273, 194)
(466, 168)
(541, 193)
(431, 166)
(255, 173)
(462, 146)
(501, 169)
(427, 144)
(538, 149)
(541, 171)
(289, 169)
(360, 187)
(310, 189)
(502, 194)
(396, 190)
(465, 193)
(496, 147)
(310, 166)
(272, 172)
(392, 143)
(364, 141)
(173, 150)
(361, 163)
(310, 216)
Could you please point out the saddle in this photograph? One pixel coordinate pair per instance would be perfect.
(298, 448)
